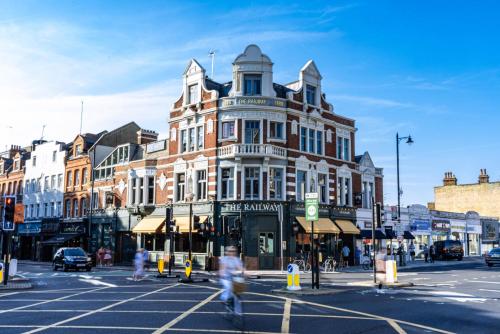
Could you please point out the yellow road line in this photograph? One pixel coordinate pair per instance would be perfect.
(185, 314)
(285, 323)
(396, 327)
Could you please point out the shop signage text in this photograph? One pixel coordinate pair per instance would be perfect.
(252, 207)
(72, 228)
(441, 225)
(259, 101)
(421, 225)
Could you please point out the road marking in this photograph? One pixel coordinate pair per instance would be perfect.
(489, 290)
(8, 294)
(185, 314)
(285, 323)
(49, 301)
(97, 282)
(488, 282)
(396, 327)
(96, 311)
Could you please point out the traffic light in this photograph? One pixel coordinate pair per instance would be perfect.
(196, 222)
(9, 212)
(211, 229)
(379, 215)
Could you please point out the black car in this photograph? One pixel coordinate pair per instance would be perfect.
(493, 257)
(71, 258)
(449, 249)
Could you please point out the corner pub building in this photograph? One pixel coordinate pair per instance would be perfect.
(242, 154)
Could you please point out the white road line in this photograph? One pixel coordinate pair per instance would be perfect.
(489, 290)
(95, 311)
(8, 294)
(97, 282)
(488, 282)
(396, 327)
(285, 322)
(185, 314)
(49, 301)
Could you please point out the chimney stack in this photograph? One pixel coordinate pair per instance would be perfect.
(146, 136)
(449, 179)
(483, 176)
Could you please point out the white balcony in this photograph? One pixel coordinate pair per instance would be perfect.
(251, 150)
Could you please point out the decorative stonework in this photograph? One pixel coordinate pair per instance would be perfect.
(210, 126)
(173, 134)
(121, 186)
(162, 181)
(329, 136)
(294, 127)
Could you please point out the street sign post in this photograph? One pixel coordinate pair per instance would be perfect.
(311, 206)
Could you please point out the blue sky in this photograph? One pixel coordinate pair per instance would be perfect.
(431, 69)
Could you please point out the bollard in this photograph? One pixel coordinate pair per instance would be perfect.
(395, 269)
(1, 272)
(161, 265)
(293, 277)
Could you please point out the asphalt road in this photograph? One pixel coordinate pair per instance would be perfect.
(445, 299)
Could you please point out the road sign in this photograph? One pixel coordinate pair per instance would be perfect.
(311, 206)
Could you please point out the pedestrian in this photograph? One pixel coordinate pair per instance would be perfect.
(432, 253)
(426, 253)
(357, 254)
(100, 256)
(107, 257)
(412, 251)
(147, 264)
(345, 255)
(138, 265)
(400, 254)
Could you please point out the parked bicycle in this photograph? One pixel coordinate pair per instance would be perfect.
(367, 262)
(303, 265)
(328, 265)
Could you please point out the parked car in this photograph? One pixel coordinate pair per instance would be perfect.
(71, 258)
(449, 249)
(493, 257)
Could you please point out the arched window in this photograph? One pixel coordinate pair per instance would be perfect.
(84, 206)
(75, 208)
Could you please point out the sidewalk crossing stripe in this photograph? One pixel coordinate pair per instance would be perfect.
(285, 323)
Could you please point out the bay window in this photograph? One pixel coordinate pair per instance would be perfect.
(276, 183)
(252, 181)
(252, 132)
(227, 183)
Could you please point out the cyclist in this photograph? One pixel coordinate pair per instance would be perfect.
(230, 266)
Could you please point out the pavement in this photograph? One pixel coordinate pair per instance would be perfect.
(449, 297)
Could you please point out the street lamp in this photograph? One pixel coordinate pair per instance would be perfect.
(409, 141)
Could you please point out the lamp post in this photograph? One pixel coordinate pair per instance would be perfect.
(409, 141)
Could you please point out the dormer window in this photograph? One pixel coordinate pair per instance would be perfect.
(311, 94)
(193, 94)
(16, 165)
(78, 149)
(1, 169)
(252, 84)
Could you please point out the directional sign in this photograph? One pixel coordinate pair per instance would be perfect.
(311, 206)
(188, 268)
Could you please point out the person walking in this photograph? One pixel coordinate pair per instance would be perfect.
(345, 255)
(432, 253)
(100, 256)
(230, 265)
(138, 265)
(145, 254)
(107, 257)
(426, 253)
(411, 248)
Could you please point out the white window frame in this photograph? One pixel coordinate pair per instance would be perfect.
(283, 131)
(219, 187)
(196, 98)
(314, 103)
(340, 191)
(342, 151)
(327, 188)
(306, 186)
(283, 182)
(197, 182)
(221, 130)
(187, 129)
(243, 180)
(146, 200)
(314, 149)
(176, 185)
(243, 139)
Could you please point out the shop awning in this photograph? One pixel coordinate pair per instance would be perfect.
(182, 222)
(408, 235)
(347, 226)
(322, 226)
(390, 234)
(60, 239)
(149, 224)
(367, 234)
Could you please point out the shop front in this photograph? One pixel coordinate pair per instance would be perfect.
(474, 232)
(457, 230)
(45, 249)
(257, 228)
(440, 229)
(421, 229)
(28, 237)
(490, 238)
(345, 219)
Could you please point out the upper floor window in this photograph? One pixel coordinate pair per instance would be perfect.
(46, 183)
(311, 94)
(58, 209)
(312, 138)
(68, 208)
(181, 187)
(276, 130)
(84, 206)
(193, 94)
(344, 191)
(53, 182)
(252, 132)
(85, 176)
(16, 164)
(301, 185)
(78, 149)
(33, 161)
(33, 185)
(276, 183)
(343, 148)
(303, 139)
(69, 177)
(59, 180)
(227, 183)
(106, 168)
(319, 142)
(151, 190)
(322, 188)
(201, 185)
(252, 183)
(228, 129)
(192, 139)
(77, 177)
(252, 84)
(45, 209)
(54, 156)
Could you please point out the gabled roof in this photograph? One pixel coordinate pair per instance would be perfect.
(194, 65)
(311, 68)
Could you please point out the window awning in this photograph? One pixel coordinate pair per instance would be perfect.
(60, 239)
(322, 226)
(182, 222)
(149, 224)
(408, 235)
(347, 226)
(367, 234)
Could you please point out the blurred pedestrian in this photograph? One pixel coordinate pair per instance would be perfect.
(145, 255)
(108, 257)
(432, 253)
(411, 248)
(345, 255)
(100, 256)
(139, 264)
(426, 253)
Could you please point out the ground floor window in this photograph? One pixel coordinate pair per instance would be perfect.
(153, 242)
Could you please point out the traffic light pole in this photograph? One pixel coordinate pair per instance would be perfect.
(190, 230)
(374, 222)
